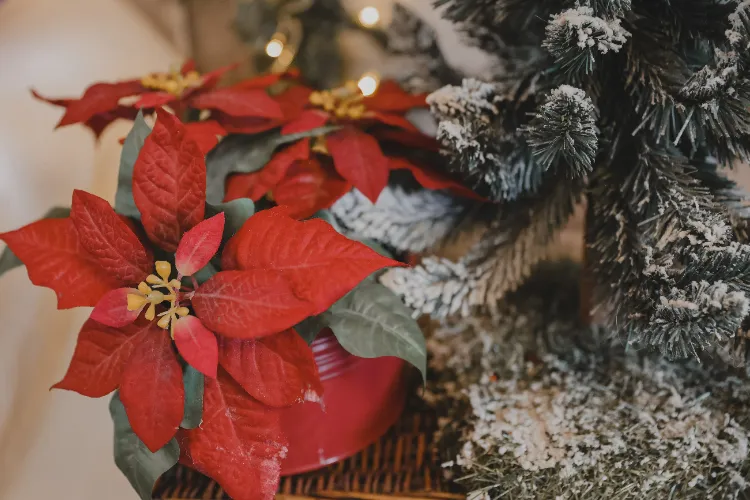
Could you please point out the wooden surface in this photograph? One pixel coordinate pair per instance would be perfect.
(403, 464)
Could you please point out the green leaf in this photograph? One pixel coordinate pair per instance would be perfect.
(236, 212)
(204, 274)
(8, 259)
(246, 154)
(371, 321)
(193, 381)
(309, 328)
(124, 203)
(140, 466)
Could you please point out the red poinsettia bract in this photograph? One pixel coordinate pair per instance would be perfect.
(103, 103)
(151, 316)
(311, 175)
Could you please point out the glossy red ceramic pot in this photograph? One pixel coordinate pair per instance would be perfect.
(362, 398)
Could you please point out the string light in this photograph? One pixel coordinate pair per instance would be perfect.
(369, 16)
(274, 48)
(368, 84)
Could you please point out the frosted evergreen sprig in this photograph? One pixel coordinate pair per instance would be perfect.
(496, 163)
(472, 98)
(564, 128)
(576, 36)
(412, 221)
(496, 265)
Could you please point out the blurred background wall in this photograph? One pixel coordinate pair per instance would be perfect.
(56, 445)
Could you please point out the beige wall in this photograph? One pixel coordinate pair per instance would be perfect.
(56, 445)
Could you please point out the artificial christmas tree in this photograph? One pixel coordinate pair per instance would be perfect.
(633, 106)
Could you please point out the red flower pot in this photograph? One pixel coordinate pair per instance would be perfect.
(362, 398)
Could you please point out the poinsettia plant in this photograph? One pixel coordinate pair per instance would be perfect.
(181, 90)
(195, 309)
(310, 148)
(315, 169)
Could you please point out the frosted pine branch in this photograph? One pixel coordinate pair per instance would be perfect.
(495, 163)
(575, 37)
(677, 327)
(496, 265)
(409, 221)
(564, 128)
(471, 98)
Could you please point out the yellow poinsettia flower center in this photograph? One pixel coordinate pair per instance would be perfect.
(173, 82)
(342, 102)
(147, 294)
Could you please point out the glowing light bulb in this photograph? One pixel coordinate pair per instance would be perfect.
(274, 48)
(369, 17)
(368, 84)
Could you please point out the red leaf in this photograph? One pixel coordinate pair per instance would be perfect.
(211, 78)
(104, 234)
(256, 184)
(197, 344)
(309, 119)
(247, 304)
(391, 98)
(245, 124)
(358, 158)
(169, 182)
(277, 370)
(432, 180)
(187, 67)
(392, 120)
(99, 121)
(98, 98)
(54, 258)
(205, 134)
(321, 264)
(151, 100)
(152, 390)
(100, 357)
(293, 101)
(265, 81)
(199, 245)
(238, 102)
(308, 188)
(112, 308)
(239, 443)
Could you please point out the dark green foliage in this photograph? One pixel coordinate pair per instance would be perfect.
(642, 100)
(565, 128)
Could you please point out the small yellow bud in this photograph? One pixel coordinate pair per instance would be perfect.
(135, 302)
(172, 87)
(150, 312)
(144, 288)
(154, 280)
(182, 311)
(163, 269)
(341, 112)
(193, 77)
(156, 297)
(320, 146)
(175, 283)
(316, 99)
(164, 321)
(356, 112)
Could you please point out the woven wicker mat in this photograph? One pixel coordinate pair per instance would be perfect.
(403, 464)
